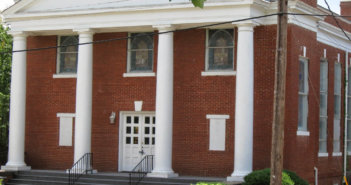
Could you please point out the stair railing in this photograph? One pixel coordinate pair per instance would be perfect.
(145, 166)
(81, 167)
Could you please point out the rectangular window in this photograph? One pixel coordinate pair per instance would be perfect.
(349, 112)
(66, 129)
(303, 95)
(220, 50)
(217, 132)
(140, 52)
(323, 106)
(67, 57)
(337, 107)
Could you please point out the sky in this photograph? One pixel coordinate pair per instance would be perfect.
(334, 4)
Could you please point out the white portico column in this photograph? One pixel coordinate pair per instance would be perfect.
(82, 139)
(164, 105)
(17, 105)
(244, 104)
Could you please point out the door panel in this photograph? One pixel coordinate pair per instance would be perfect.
(138, 138)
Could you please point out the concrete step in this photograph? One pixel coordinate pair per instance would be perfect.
(41, 177)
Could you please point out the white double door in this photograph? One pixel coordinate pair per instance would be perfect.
(138, 138)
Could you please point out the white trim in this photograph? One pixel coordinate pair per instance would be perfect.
(217, 116)
(218, 73)
(63, 75)
(303, 133)
(66, 115)
(336, 154)
(323, 154)
(146, 74)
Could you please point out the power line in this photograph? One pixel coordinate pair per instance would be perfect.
(336, 20)
(178, 30)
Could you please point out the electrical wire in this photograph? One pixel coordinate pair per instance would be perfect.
(336, 20)
(178, 30)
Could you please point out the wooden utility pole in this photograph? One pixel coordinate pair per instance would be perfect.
(279, 96)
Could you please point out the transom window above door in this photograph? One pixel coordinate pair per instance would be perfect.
(140, 52)
(67, 55)
(220, 50)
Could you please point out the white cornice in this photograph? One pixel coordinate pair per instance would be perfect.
(332, 36)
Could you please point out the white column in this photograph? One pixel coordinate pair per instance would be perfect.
(82, 139)
(244, 104)
(17, 105)
(164, 105)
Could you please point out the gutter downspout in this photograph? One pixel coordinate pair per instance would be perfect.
(346, 111)
(315, 175)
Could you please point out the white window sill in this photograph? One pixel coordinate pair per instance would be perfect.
(64, 75)
(139, 74)
(68, 115)
(303, 133)
(217, 116)
(218, 73)
(322, 154)
(335, 154)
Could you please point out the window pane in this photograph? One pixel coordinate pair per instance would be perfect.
(220, 38)
(147, 120)
(322, 146)
(323, 104)
(68, 54)
(336, 136)
(141, 60)
(349, 146)
(336, 106)
(336, 145)
(302, 77)
(349, 129)
(324, 76)
(220, 58)
(322, 128)
(337, 79)
(141, 52)
(68, 62)
(349, 107)
(220, 49)
(300, 118)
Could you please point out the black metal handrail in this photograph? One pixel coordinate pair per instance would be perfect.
(82, 166)
(146, 165)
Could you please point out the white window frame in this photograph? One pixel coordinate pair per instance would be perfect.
(325, 116)
(218, 72)
(348, 139)
(130, 73)
(58, 60)
(337, 115)
(65, 136)
(303, 130)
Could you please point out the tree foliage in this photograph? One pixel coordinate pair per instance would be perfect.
(197, 3)
(5, 78)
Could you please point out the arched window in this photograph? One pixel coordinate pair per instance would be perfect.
(220, 50)
(68, 54)
(140, 53)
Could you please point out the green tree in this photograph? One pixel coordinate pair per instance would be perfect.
(5, 78)
(197, 3)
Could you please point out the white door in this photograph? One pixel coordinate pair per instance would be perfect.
(138, 138)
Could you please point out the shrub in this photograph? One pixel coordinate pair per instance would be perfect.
(262, 177)
(294, 177)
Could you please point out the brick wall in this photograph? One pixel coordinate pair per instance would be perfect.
(194, 97)
(45, 98)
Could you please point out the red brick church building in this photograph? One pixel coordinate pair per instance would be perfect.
(158, 80)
